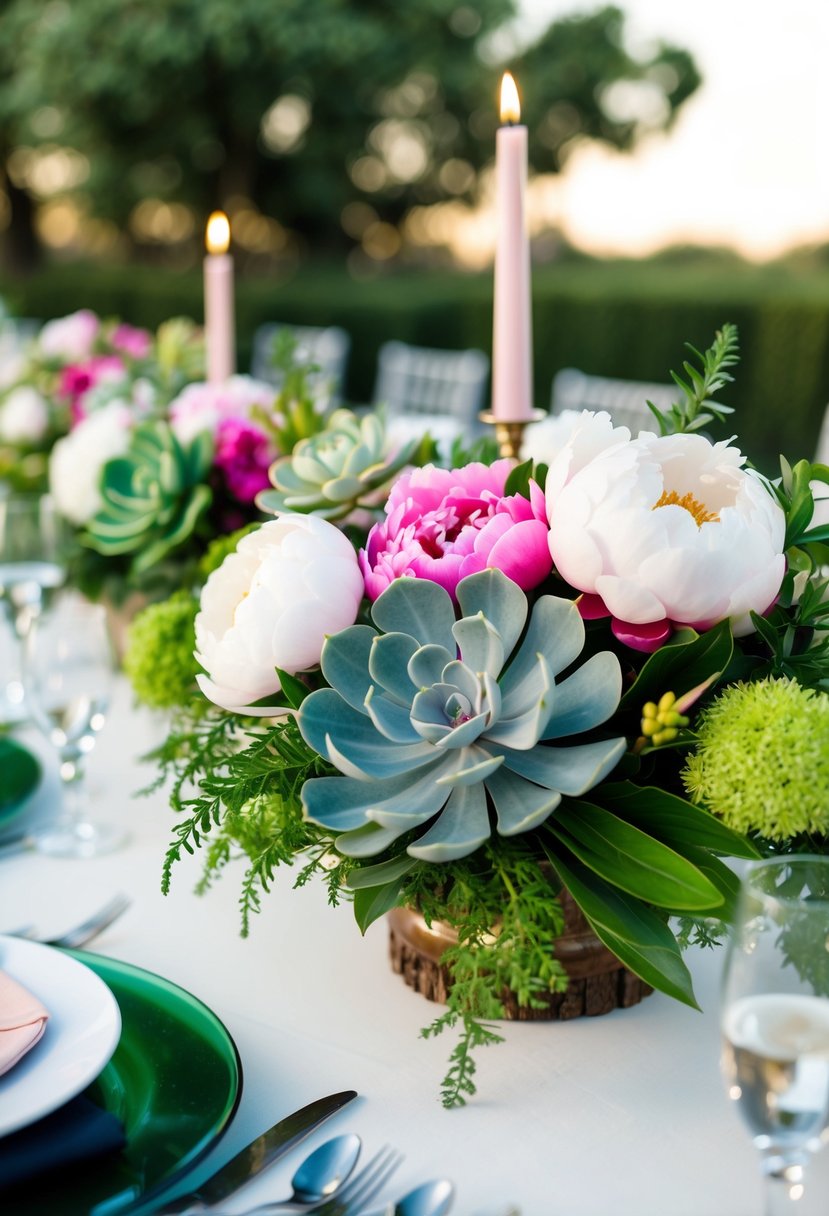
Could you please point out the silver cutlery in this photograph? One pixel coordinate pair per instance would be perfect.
(79, 935)
(351, 1199)
(429, 1199)
(321, 1175)
(259, 1154)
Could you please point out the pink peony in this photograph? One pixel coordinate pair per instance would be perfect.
(135, 343)
(243, 454)
(443, 524)
(203, 406)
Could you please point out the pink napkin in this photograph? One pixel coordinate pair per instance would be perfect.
(22, 1021)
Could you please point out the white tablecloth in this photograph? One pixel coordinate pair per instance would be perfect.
(623, 1115)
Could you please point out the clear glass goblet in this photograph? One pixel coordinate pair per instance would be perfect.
(69, 670)
(32, 555)
(775, 1018)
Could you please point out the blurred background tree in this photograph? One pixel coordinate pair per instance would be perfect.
(318, 125)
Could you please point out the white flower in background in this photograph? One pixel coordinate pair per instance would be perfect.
(71, 337)
(202, 407)
(24, 416)
(13, 366)
(570, 440)
(271, 604)
(77, 460)
(669, 530)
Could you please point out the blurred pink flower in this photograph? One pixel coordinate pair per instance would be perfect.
(71, 337)
(136, 343)
(243, 454)
(443, 524)
(77, 379)
(203, 406)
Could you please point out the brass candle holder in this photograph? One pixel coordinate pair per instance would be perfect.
(509, 434)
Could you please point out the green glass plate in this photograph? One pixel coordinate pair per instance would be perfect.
(174, 1081)
(19, 777)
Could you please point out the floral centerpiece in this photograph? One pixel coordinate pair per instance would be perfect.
(501, 684)
(77, 366)
(148, 482)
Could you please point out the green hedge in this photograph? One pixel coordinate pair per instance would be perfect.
(626, 319)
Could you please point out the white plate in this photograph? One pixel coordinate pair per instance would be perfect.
(82, 1032)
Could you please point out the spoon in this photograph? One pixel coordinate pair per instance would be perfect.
(430, 1199)
(321, 1174)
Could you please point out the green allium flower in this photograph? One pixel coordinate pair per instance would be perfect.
(438, 722)
(331, 473)
(159, 660)
(762, 761)
(153, 495)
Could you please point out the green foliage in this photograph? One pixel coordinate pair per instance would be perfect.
(354, 76)
(159, 659)
(697, 409)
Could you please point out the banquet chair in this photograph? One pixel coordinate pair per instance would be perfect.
(423, 389)
(327, 347)
(625, 400)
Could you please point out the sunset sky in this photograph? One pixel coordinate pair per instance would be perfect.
(747, 163)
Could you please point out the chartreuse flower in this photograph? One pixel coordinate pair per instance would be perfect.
(440, 724)
(331, 473)
(152, 496)
(762, 761)
(159, 659)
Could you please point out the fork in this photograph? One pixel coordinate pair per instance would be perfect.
(351, 1199)
(79, 935)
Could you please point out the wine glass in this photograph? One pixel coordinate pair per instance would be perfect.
(69, 670)
(775, 1018)
(32, 555)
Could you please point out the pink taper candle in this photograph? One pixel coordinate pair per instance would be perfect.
(512, 390)
(219, 325)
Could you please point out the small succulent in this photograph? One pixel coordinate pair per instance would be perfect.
(331, 473)
(152, 496)
(437, 721)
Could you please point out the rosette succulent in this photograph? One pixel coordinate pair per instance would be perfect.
(152, 496)
(331, 473)
(440, 723)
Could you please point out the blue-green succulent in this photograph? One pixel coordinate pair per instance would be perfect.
(331, 473)
(444, 723)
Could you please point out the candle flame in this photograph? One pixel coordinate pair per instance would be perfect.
(217, 237)
(510, 105)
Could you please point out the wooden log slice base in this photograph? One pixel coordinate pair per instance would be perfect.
(598, 981)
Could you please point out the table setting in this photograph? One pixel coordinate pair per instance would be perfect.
(550, 727)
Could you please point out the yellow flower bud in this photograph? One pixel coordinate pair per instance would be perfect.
(649, 709)
(649, 727)
(666, 701)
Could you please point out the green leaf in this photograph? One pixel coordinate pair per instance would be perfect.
(638, 937)
(518, 481)
(381, 874)
(631, 859)
(295, 691)
(673, 820)
(371, 903)
(683, 663)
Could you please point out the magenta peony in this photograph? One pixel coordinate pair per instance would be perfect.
(443, 524)
(78, 379)
(243, 454)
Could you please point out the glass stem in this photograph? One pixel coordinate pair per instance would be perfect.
(784, 1184)
(75, 798)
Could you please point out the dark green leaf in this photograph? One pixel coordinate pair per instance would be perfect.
(674, 820)
(381, 874)
(295, 690)
(373, 902)
(681, 664)
(634, 861)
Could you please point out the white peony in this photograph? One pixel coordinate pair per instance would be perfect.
(570, 440)
(71, 337)
(24, 416)
(670, 529)
(271, 604)
(77, 460)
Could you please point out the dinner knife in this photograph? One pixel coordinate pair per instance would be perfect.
(258, 1155)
